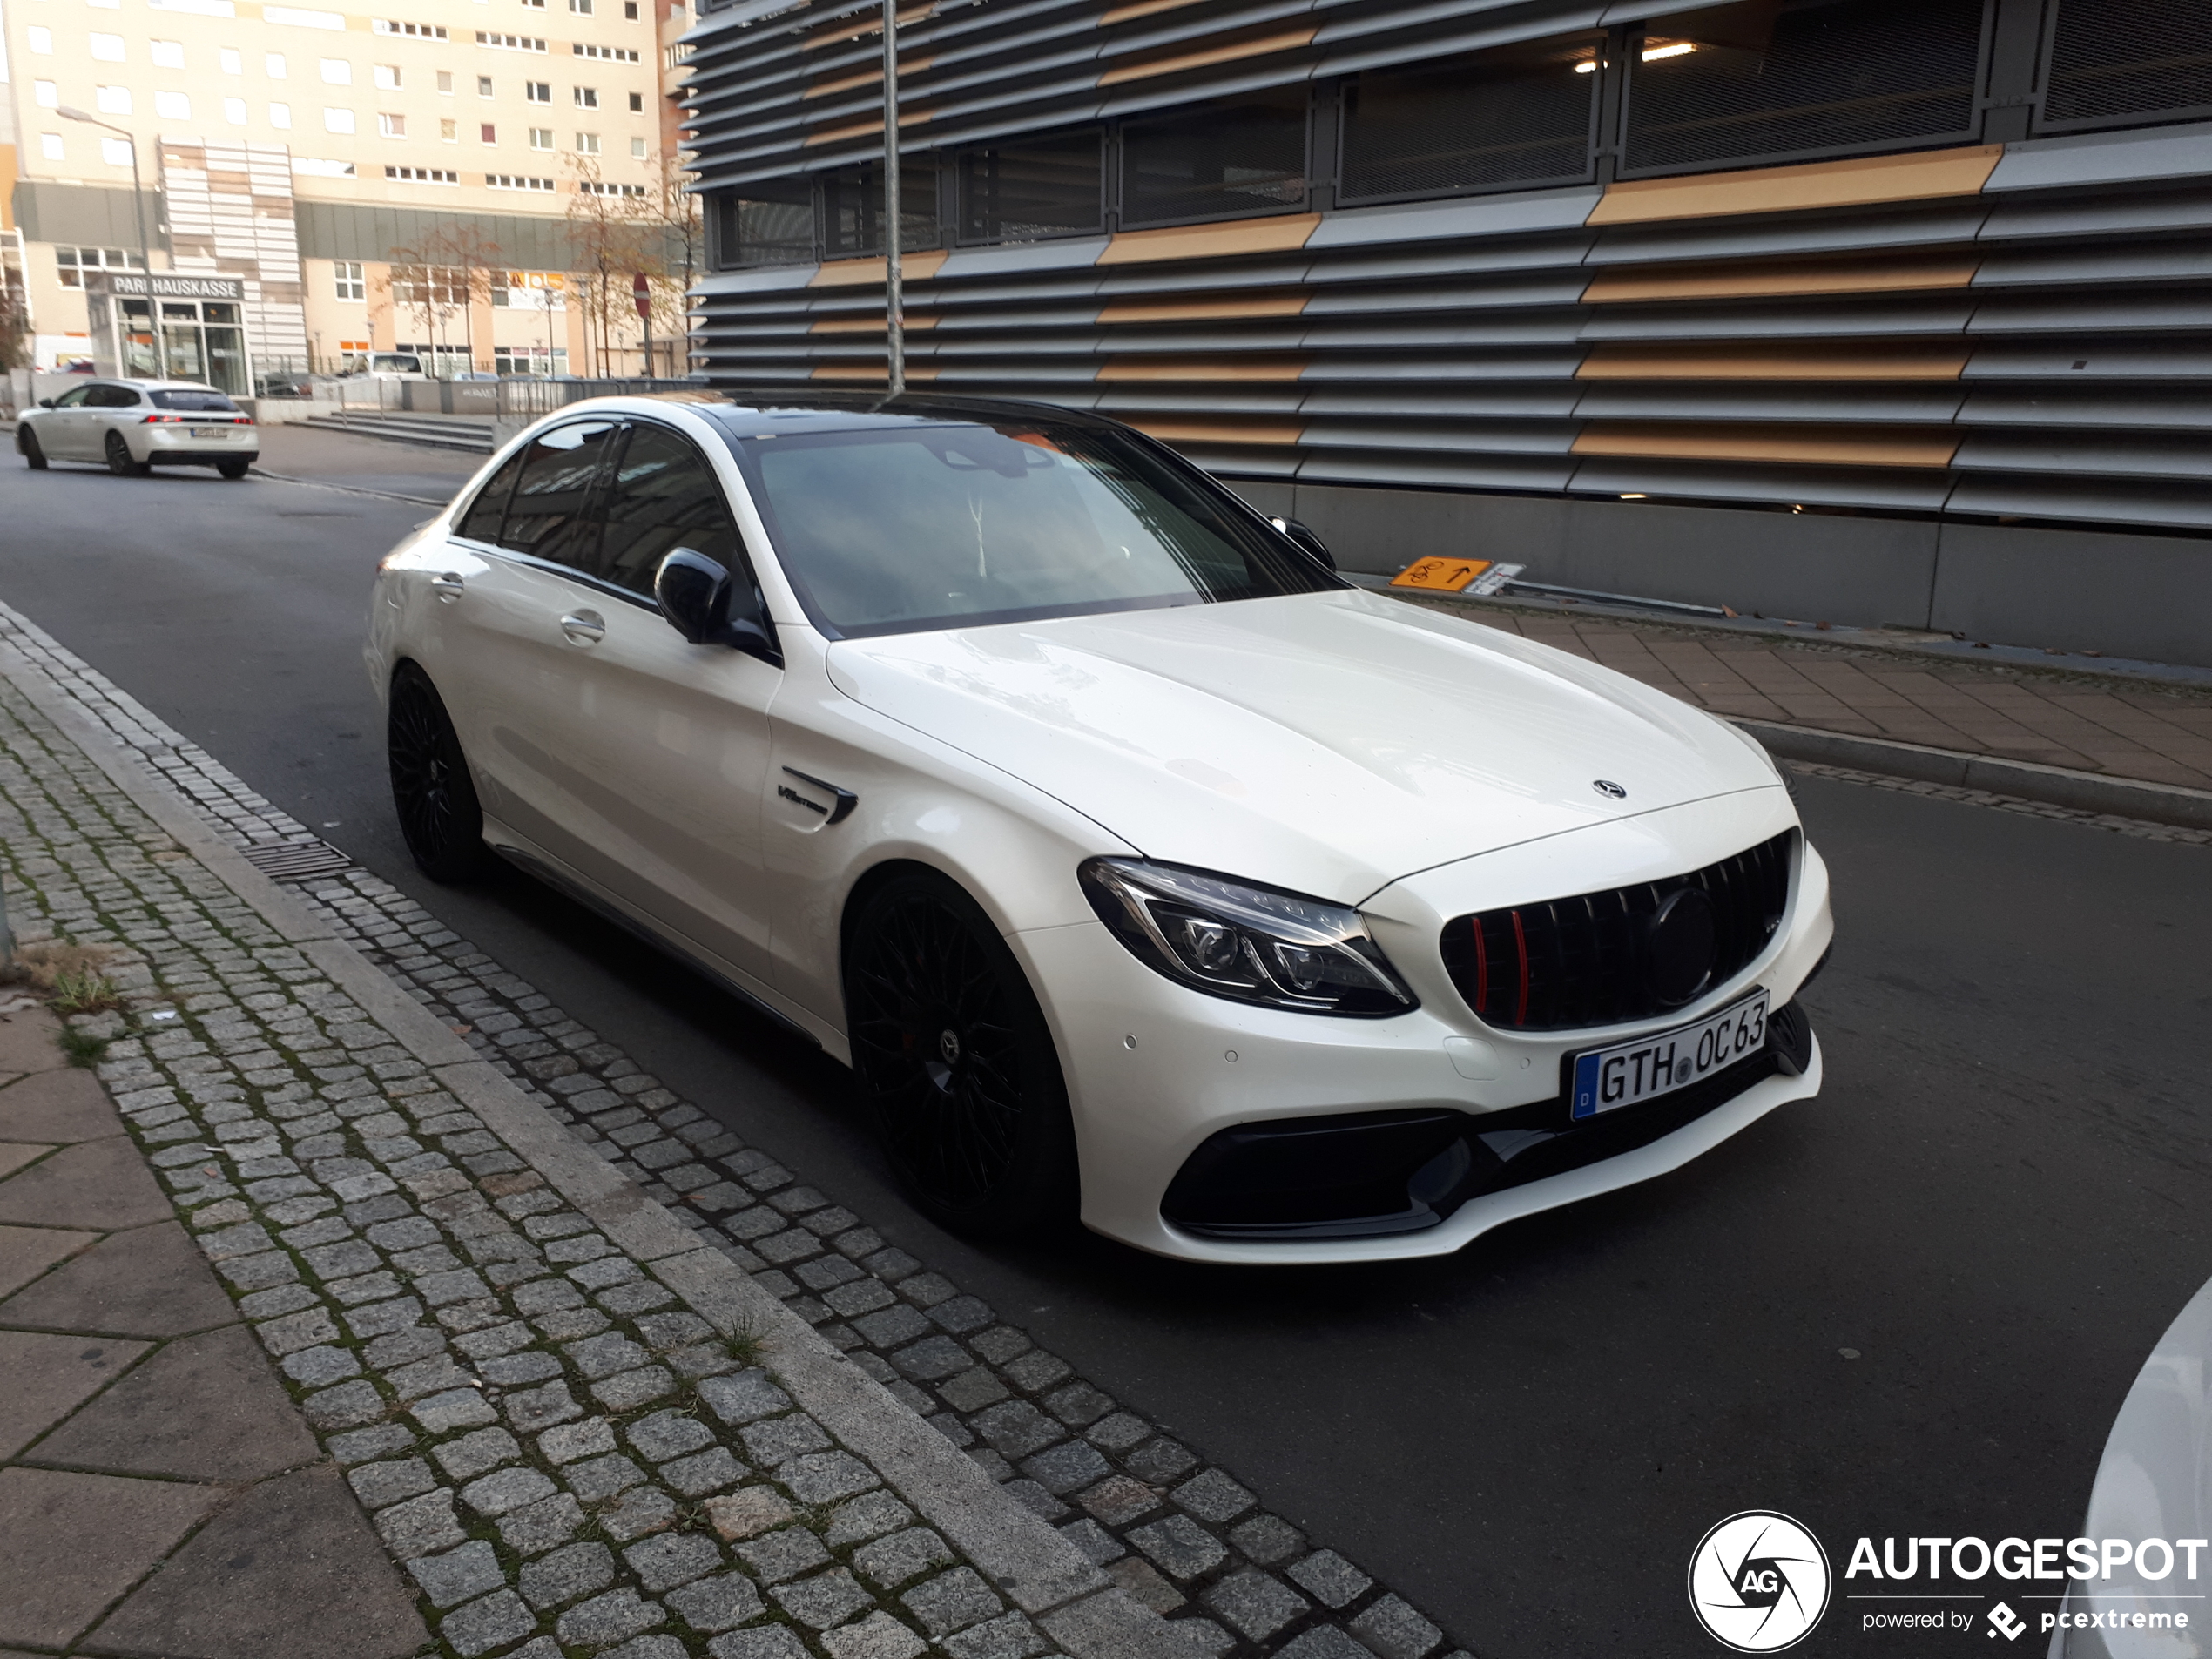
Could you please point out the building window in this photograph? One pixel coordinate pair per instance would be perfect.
(111, 100)
(117, 152)
(630, 10)
(1240, 157)
(445, 83)
(235, 110)
(596, 187)
(483, 86)
(391, 126)
(516, 181)
(386, 77)
(509, 43)
(46, 94)
(281, 115)
(422, 175)
(167, 54)
(636, 103)
(107, 49)
(605, 54)
(587, 97)
(853, 209)
(419, 31)
(541, 137)
(1508, 120)
(535, 5)
(337, 120)
(1756, 83)
(637, 149)
(773, 224)
(272, 66)
(49, 148)
(352, 285)
(233, 62)
(487, 134)
(336, 72)
(2119, 62)
(449, 131)
(40, 40)
(73, 262)
(581, 7)
(172, 107)
(587, 144)
(537, 91)
(1027, 188)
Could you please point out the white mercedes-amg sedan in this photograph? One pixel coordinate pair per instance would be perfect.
(1141, 868)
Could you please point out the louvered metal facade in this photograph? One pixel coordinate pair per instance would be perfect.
(1936, 260)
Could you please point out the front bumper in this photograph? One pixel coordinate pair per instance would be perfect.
(1156, 1070)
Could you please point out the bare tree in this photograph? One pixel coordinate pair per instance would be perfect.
(419, 282)
(621, 233)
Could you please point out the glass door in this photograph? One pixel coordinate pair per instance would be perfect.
(227, 369)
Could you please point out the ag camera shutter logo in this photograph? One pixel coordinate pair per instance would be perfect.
(1759, 1582)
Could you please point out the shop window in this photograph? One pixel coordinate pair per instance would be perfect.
(1509, 119)
(2117, 62)
(1224, 160)
(1033, 187)
(1772, 81)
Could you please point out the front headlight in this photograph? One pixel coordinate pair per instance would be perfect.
(1249, 944)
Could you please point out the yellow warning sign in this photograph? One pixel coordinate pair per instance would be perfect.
(1440, 575)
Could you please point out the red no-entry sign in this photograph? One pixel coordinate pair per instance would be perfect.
(642, 294)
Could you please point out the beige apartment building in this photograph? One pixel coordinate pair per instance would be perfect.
(318, 185)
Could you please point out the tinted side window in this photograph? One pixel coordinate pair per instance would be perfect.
(550, 516)
(113, 397)
(664, 496)
(485, 515)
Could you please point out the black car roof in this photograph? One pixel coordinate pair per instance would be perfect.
(834, 411)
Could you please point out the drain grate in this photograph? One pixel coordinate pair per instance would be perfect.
(294, 860)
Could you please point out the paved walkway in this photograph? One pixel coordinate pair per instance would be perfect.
(2158, 732)
(159, 1493)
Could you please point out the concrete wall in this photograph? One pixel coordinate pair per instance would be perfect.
(2125, 595)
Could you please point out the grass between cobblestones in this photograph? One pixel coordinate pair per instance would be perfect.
(274, 1067)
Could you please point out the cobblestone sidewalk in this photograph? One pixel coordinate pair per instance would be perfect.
(2158, 733)
(563, 1456)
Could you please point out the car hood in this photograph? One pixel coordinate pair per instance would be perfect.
(1326, 743)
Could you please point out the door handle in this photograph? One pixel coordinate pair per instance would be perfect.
(584, 627)
(448, 586)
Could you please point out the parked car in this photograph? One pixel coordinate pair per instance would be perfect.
(135, 426)
(1137, 863)
(2154, 1483)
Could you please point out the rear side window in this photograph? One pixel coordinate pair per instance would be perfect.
(200, 402)
(550, 514)
(664, 497)
(485, 515)
(113, 397)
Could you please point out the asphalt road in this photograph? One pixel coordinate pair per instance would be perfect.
(1998, 1204)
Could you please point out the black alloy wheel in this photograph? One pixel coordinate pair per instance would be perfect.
(27, 446)
(119, 462)
(233, 469)
(432, 790)
(955, 1055)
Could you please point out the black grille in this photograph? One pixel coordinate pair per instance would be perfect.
(2113, 61)
(1564, 964)
(1014, 191)
(1232, 158)
(1765, 83)
(1505, 119)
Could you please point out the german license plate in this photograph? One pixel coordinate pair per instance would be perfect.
(1630, 1073)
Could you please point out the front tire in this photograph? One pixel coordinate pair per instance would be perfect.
(119, 462)
(432, 790)
(955, 1054)
(27, 446)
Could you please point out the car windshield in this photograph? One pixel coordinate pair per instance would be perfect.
(386, 363)
(184, 398)
(901, 529)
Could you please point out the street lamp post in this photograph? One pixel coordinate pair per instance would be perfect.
(895, 320)
(145, 248)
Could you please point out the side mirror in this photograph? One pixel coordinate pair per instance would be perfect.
(1306, 541)
(693, 593)
(45, 402)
